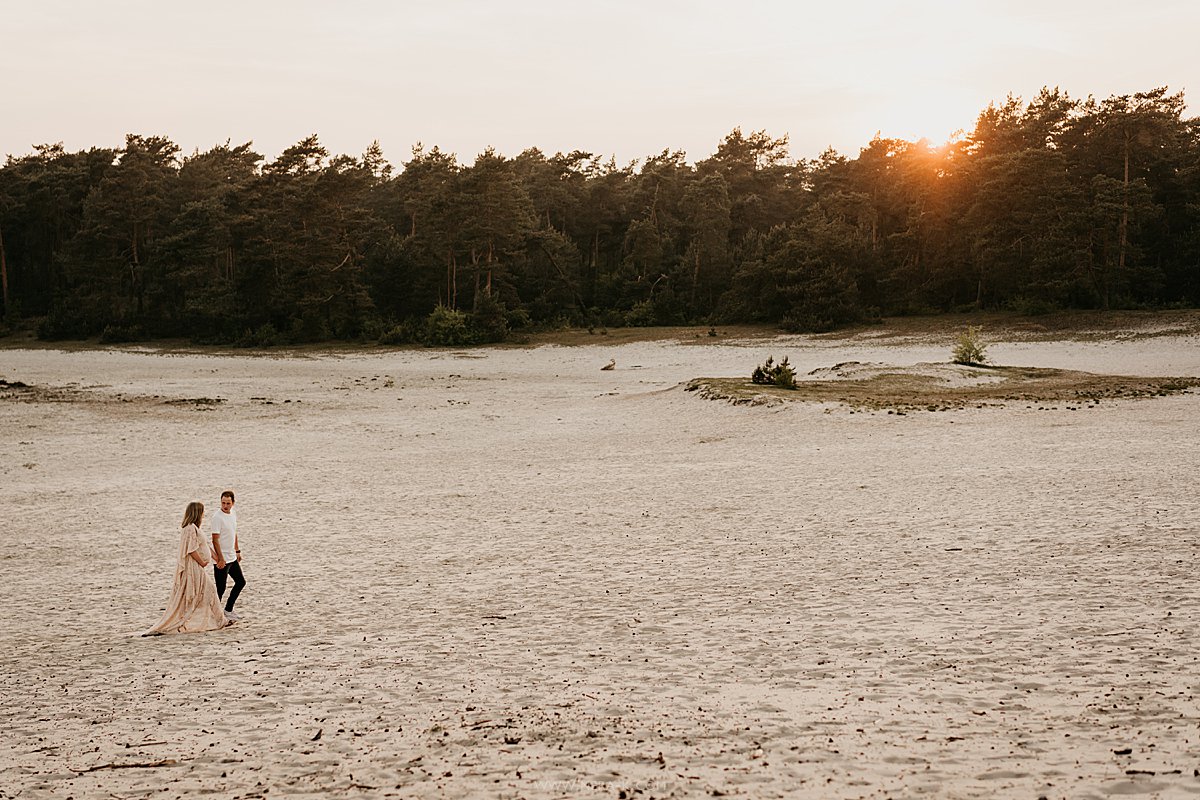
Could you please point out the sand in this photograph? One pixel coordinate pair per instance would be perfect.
(507, 573)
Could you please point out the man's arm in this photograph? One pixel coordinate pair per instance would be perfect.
(220, 559)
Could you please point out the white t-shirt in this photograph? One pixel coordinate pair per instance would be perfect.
(225, 525)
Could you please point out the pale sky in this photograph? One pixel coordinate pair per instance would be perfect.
(625, 78)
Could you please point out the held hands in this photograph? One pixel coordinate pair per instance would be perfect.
(220, 562)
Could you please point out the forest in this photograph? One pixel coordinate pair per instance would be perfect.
(1055, 203)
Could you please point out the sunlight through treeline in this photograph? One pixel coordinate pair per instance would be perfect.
(1048, 204)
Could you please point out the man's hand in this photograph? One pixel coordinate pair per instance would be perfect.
(220, 562)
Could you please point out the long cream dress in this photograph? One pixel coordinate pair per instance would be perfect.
(194, 605)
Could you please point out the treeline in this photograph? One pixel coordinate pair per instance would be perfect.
(1055, 203)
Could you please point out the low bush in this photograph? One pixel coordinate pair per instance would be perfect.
(265, 335)
(120, 334)
(447, 327)
(968, 349)
(61, 324)
(407, 332)
(488, 323)
(642, 315)
(771, 374)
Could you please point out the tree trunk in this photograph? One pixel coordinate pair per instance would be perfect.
(1123, 230)
(488, 262)
(594, 272)
(475, 274)
(135, 269)
(4, 274)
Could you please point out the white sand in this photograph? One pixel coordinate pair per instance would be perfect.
(510, 574)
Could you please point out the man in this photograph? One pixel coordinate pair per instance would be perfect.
(227, 553)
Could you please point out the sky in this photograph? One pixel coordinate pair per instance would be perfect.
(626, 79)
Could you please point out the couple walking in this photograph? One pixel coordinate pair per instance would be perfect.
(195, 603)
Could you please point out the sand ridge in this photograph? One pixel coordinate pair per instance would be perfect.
(943, 386)
(507, 573)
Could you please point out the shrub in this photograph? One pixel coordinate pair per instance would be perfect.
(771, 374)
(446, 327)
(407, 332)
(517, 319)
(308, 327)
(488, 322)
(641, 315)
(120, 334)
(62, 323)
(265, 335)
(371, 329)
(810, 320)
(968, 349)
(1031, 305)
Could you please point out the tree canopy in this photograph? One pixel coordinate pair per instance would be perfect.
(1052, 203)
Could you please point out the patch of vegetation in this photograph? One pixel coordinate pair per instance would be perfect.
(265, 335)
(447, 327)
(121, 334)
(919, 388)
(969, 350)
(771, 374)
(407, 332)
(489, 321)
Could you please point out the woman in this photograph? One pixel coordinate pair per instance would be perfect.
(194, 605)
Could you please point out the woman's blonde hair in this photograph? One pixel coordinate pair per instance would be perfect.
(192, 515)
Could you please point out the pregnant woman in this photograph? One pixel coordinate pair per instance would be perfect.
(194, 606)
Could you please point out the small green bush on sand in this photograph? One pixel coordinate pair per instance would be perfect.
(771, 374)
(968, 349)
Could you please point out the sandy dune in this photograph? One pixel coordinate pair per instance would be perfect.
(507, 573)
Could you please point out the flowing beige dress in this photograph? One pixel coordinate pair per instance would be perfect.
(194, 605)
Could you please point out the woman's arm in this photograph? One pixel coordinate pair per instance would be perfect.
(196, 549)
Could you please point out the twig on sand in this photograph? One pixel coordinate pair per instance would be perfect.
(166, 762)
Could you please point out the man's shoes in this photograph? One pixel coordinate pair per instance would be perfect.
(232, 616)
